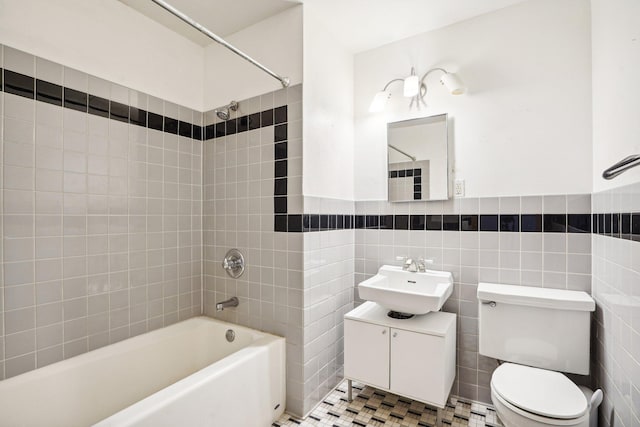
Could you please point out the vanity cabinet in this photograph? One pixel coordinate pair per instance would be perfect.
(411, 357)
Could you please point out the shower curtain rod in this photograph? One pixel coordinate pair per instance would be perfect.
(621, 166)
(402, 152)
(284, 81)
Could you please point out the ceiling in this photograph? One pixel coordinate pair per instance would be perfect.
(223, 17)
(368, 24)
(360, 24)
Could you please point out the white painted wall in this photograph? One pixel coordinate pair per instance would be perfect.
(616, 87)
(327, 104)
(276, 42)
(524, 127)
(109, 40)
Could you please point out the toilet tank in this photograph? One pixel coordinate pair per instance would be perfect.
(545, 328)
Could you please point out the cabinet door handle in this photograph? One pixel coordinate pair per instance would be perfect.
(384, 331)
(395, 334)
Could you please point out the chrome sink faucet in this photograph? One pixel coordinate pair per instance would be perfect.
(410, 265)
(413, 266)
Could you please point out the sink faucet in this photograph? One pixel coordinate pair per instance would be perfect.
(410, 265)
(231, 302)
(413, 266)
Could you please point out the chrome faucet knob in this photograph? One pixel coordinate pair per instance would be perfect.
(410, 265)
(422, 264)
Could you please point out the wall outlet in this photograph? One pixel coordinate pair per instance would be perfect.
(458, 188)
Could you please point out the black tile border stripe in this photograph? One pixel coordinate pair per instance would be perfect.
(624, 226)
(619, 225)
(51, 93)
(278, 118)
(577, 223)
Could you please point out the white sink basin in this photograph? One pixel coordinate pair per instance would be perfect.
(407, 292)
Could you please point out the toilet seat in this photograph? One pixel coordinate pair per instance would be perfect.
(539, 392)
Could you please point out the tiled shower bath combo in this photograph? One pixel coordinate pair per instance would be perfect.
(102, 214)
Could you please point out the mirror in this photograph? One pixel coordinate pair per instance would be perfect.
(417, 159)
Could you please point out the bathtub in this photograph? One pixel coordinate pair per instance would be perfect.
(186, 374)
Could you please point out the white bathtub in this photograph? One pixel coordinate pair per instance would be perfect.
(186, 374)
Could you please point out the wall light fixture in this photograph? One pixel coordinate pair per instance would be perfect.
(416, 89)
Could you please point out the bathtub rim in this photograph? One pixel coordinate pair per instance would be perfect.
(126, 345)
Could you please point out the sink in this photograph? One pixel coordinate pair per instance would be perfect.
(408, 292)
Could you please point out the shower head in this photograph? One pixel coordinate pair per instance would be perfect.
(223, 112)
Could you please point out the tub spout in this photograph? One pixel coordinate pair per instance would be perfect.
(231, 302)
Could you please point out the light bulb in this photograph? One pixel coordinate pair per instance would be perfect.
(411, 86)
(379, 101)
(453, 84)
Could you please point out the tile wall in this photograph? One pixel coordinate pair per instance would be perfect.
(242, 183)
(101, 192)
(534, 241)
(328, 295)
(616, 289)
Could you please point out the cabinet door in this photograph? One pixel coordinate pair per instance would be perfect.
(366, 353)
(416, 366)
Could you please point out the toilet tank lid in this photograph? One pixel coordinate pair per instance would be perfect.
(536, 297)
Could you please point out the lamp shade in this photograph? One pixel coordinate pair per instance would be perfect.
(379, 101)
(411, 86)
(453, 84)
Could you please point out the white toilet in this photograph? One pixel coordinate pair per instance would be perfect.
(538, 333)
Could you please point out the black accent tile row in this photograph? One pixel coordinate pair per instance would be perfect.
(274, 116)
(282, 221)
(548, 223)
(51, 93)
(619, 225)
(403, 173)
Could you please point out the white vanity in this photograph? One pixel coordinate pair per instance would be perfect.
(413, 357)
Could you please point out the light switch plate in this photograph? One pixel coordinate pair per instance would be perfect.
(458, 188)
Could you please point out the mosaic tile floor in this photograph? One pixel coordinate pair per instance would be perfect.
(372, 407)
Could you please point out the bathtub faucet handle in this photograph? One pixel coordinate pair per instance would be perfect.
(233, 263)
(231, 302)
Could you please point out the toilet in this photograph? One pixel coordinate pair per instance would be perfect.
(538, 334)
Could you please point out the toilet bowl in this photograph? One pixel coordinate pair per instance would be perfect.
(542, 332)
(532, 397)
